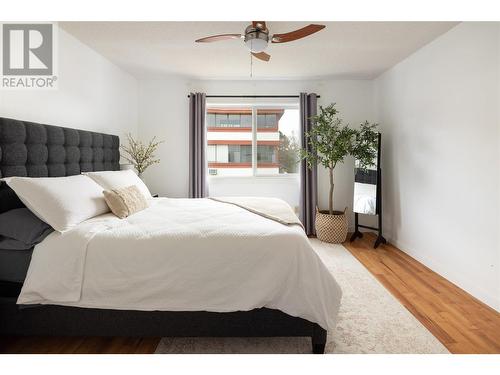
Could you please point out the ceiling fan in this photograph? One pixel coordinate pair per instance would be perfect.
(256, 37)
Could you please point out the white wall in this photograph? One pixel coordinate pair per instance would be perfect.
(163, 111)
(440, 114)
(93, 94)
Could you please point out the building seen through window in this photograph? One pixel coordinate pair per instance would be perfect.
(230, 137)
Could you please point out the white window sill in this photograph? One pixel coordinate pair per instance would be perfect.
(294, 176)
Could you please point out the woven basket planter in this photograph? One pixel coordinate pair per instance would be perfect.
(331, 228)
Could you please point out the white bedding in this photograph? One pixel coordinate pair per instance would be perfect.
(365, 198)
(184, 255)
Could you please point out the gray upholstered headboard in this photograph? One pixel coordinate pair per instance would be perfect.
(38, 150)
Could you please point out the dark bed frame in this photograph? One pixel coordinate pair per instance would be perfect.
(37, 150)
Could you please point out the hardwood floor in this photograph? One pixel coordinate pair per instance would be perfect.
(458, 320)
(78, 345)
(461, 322)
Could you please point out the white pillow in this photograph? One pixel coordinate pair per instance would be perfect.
(110, 180)
(62, 202)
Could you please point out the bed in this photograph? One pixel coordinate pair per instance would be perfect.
(205, 267)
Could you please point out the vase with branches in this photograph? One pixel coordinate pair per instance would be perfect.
(140, 155)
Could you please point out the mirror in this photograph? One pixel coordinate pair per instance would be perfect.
(365, 186)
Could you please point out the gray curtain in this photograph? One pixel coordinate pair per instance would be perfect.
(308, 177)
(197, 143)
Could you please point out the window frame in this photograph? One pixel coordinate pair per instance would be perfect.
(254, 107)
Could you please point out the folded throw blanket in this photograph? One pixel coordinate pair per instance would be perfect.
(270, 208)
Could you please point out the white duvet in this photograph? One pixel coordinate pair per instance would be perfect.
(184, 255)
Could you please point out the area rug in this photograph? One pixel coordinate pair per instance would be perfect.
(370, 320)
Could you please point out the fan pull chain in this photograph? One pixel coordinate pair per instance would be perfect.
(251, 65)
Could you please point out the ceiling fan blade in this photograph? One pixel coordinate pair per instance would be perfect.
(297, 34)
(216, 38)
(259, 25)
(261, 56)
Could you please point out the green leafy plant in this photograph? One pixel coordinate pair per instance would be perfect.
(288, 153)
(141, 155)
(330, 141)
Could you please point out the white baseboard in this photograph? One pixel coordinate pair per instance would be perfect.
(466, 285)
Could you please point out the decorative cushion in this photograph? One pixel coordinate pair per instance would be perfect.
(110, 180)
(125, 201)
(61, 202)
(12, 244)
(23, 226)
(8, 199)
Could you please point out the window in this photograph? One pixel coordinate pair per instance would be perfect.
(230, 118)
(221, 120)
(267, 121)
(266, 154)
(252, 140)
(210, 120)
(212, 153)
(246, 120)
(240, 154)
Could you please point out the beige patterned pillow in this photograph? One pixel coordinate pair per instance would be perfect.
(125, 201)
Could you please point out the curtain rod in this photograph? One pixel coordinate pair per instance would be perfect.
(254, 96)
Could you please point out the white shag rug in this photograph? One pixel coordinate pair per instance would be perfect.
(370, 320)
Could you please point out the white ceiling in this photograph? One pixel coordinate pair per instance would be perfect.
(360, 50)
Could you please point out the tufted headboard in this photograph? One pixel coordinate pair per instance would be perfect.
(38, 150)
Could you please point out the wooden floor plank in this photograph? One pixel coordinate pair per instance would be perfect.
(462, 323)
(78, 345)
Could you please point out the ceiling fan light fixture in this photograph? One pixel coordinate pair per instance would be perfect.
(255, 39)
(256, 45)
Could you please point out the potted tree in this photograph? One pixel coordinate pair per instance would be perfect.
(330, 141)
